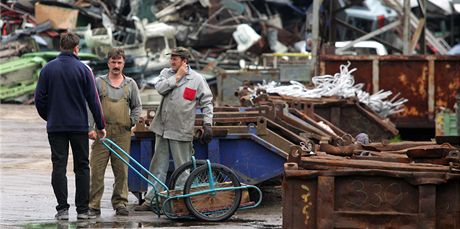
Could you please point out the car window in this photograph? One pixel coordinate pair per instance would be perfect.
(363, 24)
(155, 44)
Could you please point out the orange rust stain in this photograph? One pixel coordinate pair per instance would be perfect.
(413, 89)
(410, 111)
(454, 85)
(421, 82)
(403, 79)
(440, 92)
(441, 103)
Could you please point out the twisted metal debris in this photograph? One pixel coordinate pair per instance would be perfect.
(341, 84)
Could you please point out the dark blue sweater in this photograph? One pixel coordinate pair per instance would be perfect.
(64, 88)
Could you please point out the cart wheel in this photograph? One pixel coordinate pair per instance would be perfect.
(213, 206)
(183, 172)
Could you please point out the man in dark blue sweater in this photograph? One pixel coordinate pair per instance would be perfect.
(64, 89)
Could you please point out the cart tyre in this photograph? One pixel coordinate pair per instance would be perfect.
(229, 176)
(179, 171)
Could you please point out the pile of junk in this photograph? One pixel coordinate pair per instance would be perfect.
(330, 142)
(338, 159)
(219, 34)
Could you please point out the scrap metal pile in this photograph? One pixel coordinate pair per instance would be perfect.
(280, 129)
(340, 85)
(219, 33)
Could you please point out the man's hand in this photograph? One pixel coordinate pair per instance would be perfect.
(92, 135)
(181, 71)
(207, 135)
(101, 133)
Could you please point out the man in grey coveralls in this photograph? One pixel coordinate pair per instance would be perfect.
(183, 90)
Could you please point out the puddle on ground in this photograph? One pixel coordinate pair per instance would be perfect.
(89, 224)
(132, 224)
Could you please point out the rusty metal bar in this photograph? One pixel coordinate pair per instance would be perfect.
(374, 164)
(431, 87)
(375, 75)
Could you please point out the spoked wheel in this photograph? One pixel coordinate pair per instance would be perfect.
(180, 175)
(212, 206)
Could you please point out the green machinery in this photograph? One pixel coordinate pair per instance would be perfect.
(19, 76)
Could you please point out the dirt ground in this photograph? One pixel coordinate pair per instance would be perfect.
(27, 199)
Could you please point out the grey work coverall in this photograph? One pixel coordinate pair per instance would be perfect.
(175, 120)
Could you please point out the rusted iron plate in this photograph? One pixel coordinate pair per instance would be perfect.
(370, 196)
(381, 146)
(430, 151)
(301, 195)
(427, 81)
(228, 120)
(446, 86)
(410, 78)
(448, 205)
(364, 164)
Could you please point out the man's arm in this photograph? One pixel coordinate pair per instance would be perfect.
(205, 102)
(135, 103)
(91, 121)
(41, 96)
(165, 83)
(92, 98)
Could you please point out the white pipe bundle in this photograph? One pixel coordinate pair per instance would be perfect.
(341, 84)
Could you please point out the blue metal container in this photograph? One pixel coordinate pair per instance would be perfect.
(253, 159)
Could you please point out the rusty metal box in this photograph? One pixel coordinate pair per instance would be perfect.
(333, 192)
(428, 81)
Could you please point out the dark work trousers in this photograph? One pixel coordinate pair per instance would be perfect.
(59, 142)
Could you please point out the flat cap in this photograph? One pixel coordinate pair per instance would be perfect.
(180, 51)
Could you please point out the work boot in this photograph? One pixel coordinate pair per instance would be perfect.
(122, 211)
(142, 208)
(62, 215)
(95, 211)
(86, 215)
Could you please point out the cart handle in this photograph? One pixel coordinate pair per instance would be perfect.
(109, 143)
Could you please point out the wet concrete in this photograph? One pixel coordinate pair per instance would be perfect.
(27, 199)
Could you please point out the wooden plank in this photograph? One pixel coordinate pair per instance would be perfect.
(416, 36)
